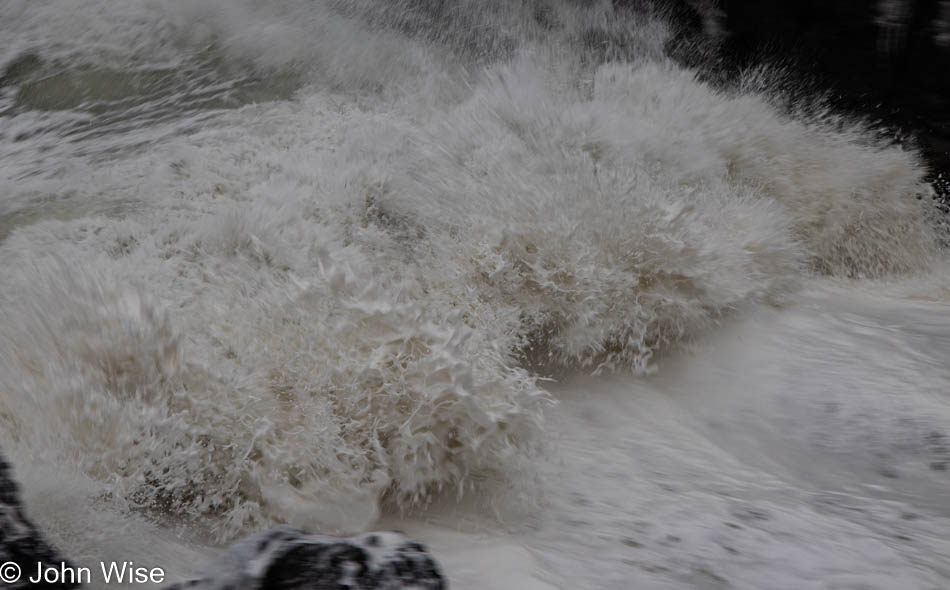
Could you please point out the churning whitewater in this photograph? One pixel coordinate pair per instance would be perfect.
(313, 262)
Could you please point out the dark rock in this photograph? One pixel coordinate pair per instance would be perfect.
(283, 558)
(20, 542)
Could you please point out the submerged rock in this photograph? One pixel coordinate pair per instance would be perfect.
(19, 68)
(283, 558)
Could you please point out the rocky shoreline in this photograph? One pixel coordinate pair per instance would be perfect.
(283, 558)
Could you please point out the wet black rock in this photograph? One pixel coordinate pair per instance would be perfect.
(20, 541)
(286, 558)
(283, 558)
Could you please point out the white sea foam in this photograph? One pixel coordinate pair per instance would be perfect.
(308, 309)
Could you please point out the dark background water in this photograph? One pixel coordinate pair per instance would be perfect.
(887, 61)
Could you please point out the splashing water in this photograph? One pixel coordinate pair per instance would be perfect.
(299, 261)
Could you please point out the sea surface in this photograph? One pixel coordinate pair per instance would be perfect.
(501, 274)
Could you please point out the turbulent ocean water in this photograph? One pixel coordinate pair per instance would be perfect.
(501, 274)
